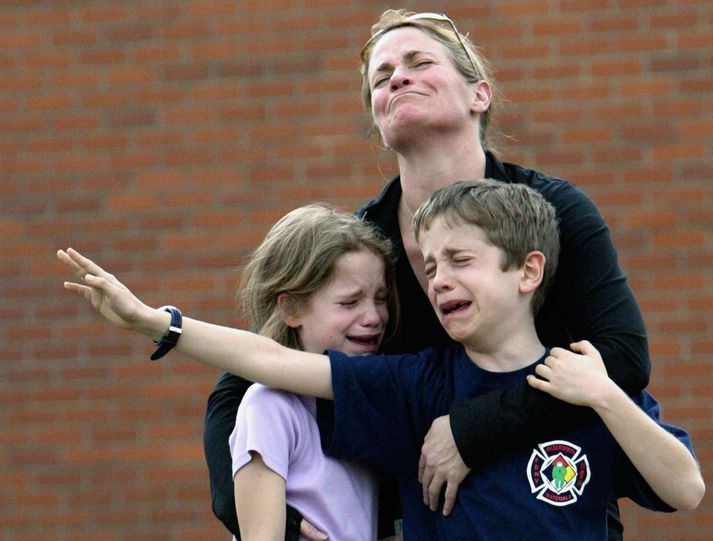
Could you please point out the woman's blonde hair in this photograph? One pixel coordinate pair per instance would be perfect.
(298, 257)
(467, 58)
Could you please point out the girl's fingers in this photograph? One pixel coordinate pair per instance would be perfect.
(79, 289)
(72, 286)
(85, 263)
(70, 259)
(67, 260)
(82, 266)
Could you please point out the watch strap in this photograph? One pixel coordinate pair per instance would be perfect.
(170, 339)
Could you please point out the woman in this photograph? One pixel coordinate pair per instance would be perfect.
(431, 99)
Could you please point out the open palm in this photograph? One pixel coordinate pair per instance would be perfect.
(108, 296)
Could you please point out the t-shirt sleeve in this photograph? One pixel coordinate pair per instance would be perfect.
(264, 407)
(628, 482)
(590, 299)
(379, 415)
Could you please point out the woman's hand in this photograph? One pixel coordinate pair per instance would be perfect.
(308, 531)
(440, 463)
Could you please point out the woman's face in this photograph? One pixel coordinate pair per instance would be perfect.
(350, 312)
(415, 86)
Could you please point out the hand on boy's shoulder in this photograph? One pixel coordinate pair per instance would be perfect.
(577, 376)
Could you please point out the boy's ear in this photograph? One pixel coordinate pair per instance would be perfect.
(533, 271)
(288, 311)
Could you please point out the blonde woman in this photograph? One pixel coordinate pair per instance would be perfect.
(432, 101)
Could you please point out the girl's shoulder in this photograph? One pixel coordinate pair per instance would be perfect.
(262, 398)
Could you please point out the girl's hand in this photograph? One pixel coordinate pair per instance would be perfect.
(108, 296)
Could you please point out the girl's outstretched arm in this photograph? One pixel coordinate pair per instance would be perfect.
(579, 377)
(246, 354)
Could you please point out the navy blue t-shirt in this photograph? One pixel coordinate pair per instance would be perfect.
(558, 489)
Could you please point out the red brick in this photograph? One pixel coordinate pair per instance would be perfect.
(215, 8)
(693, 86)
(681, 325)
(587, 134)
(136, 132)
(678, 239)
(514, 8)
(132, 32)
(679, 151)
(646, 87)
(695, 39)
(154, 52)
(616, 67)
(63, 36)
(701, 302)
(183, 30)
(215, 51)
(129, 75)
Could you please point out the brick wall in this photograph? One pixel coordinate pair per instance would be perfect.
(163, 138)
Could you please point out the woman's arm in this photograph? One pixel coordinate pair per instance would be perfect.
(240, 352)
(579, 377)
(260, 502)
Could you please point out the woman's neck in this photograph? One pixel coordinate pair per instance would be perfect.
(432, 167)
(422, 173)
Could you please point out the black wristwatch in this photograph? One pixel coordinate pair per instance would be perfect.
(170, 339)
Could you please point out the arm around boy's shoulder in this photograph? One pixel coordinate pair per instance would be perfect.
(590, 295)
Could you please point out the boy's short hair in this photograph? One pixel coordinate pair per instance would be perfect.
(514, 218)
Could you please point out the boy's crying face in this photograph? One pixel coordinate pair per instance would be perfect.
(474, 298)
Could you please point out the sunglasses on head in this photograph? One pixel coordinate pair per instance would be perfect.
(437, 17)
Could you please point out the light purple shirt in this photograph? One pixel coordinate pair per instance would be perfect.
(338, 497)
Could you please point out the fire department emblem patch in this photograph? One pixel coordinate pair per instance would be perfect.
(558, 472)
